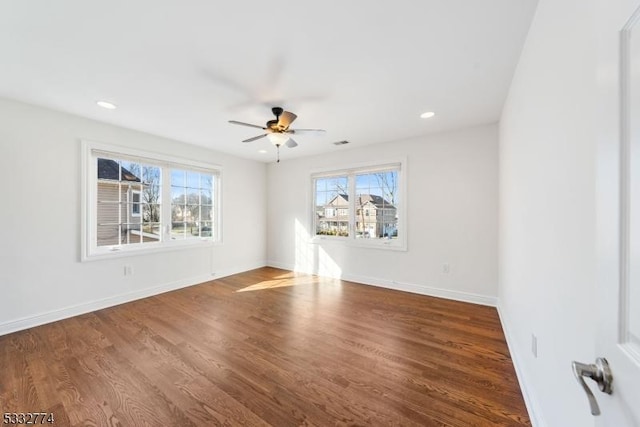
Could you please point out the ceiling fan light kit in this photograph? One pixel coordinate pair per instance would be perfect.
(277, 139)
(277, 131)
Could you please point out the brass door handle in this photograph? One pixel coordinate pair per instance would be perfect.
(600, 373)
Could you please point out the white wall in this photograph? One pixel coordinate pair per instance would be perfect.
(452, 217)
(41, 277)
(547, 209)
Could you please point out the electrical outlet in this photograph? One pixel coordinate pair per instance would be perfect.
(446, 268)
(128, 270)
(534, 345)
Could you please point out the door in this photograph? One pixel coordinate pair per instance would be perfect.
(618, 202)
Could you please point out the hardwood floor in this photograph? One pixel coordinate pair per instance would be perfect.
(268, 347)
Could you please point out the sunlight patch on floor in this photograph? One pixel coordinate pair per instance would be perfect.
(282, 281)
(267, 284)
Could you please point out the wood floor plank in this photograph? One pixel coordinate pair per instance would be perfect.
(268, 347)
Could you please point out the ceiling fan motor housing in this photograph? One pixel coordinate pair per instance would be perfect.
(273, 125)
(277, 129)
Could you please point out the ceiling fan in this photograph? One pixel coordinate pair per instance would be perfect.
(278, 131)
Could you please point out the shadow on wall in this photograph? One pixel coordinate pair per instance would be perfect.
(312, 258)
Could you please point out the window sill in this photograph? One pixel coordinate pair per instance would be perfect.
(149, 248)
(389, 245)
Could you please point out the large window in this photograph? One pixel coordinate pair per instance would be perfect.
(361, 205)
(137, 201)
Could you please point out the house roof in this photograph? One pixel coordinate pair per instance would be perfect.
(377, 201)
(336, 202)
(363, 199)
(110, 169)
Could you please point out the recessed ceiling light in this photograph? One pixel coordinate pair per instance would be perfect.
(427, 115)
(262, 151)
(107, 105)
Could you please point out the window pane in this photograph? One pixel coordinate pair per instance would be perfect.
(376, 200)
(178, 230)
(130, 171)
(206, 196)
(206, 213)
(178, 195)
(178, 178)
(151, 212)
(191, 204)
(108, 235)
(332, 206)
(151, 231)
(194, 212)
(130, 233)
(152, 193)
(206, 230)
(128, 194)
(193, 179)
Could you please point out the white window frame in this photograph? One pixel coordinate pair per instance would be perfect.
(399, 244)
(91, 150)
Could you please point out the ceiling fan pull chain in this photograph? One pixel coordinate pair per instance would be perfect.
(278, 150)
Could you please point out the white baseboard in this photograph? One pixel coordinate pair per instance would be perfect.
(76, 310)
(533, 407)
(283, 266)
(402, 286)
(239, 269)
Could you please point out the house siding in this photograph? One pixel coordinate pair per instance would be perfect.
(112, 199)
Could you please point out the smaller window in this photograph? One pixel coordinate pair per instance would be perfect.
(363, 206)
(135, 203)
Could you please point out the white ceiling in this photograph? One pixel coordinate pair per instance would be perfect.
(362, 70)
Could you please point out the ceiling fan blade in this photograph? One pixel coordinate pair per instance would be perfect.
(285, 119)
(255, 138)
(235, 122)
(307, 131)
(291, 143)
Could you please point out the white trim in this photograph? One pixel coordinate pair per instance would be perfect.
(369, 166)
(414, 288)
(624, 338)
(152, 247)
(424, 290)
(109, 150)
(384, 244)
(533, 407)
(87, 307)
(85, 221)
